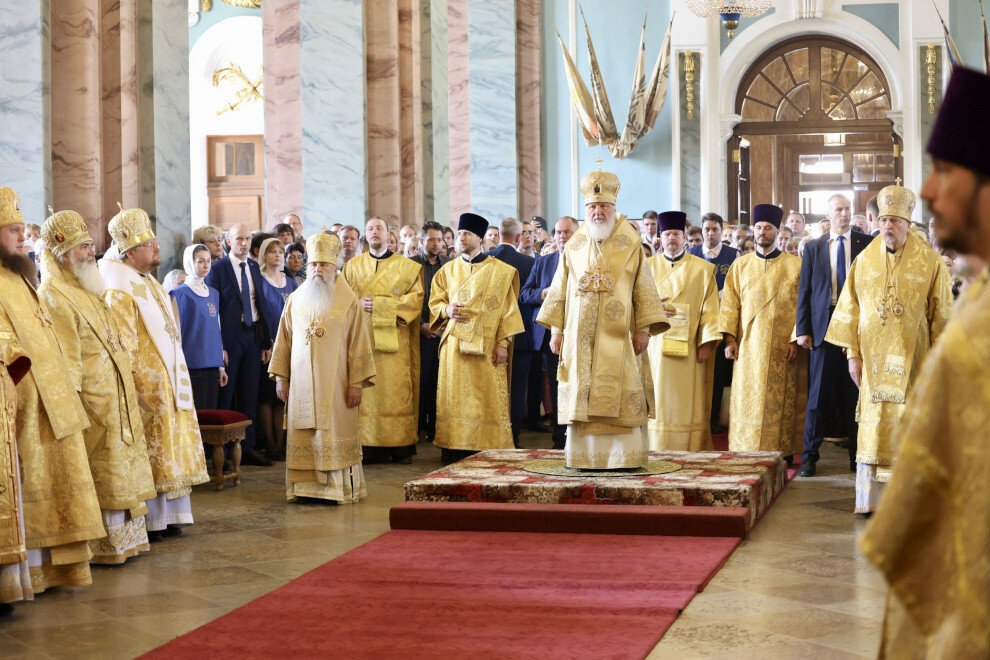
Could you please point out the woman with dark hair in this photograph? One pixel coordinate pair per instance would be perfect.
(295, 262)
(276, 287)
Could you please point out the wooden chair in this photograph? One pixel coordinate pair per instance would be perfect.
(219, 428)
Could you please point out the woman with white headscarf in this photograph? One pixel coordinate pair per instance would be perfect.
(199, 321)
(275, 290)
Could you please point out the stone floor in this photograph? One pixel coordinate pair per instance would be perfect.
(797, 587)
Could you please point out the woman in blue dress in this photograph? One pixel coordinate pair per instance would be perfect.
(275, 289)
(199, 321)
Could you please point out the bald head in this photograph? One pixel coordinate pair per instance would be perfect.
(239, 240)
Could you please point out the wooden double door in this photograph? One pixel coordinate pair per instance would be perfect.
(236, 180)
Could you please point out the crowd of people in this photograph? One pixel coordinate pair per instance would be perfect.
(614, 336)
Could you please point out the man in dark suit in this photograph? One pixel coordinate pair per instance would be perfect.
(429, 342)
(532, 295)
(522, 346)
(873, 216)
(243, 330)
(832, 394)
(715, 252)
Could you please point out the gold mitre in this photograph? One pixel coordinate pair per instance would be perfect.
(323, 248)
(10, 207)
(897, 201)
(63, 231)
(130, 228)
(599, 186)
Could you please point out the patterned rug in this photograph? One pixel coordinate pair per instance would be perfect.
(718, 478)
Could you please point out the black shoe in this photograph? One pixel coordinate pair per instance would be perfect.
(789, 459)
(6, 609)
(866, 515)
(172, 530)
(254, 458)
(154, 537)
(405, 460)
(806, 469)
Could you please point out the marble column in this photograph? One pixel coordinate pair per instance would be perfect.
(426, 104)
(458, 110)
(529, 75)
(163, 104)
(283, 110)
(394, 110)
(492, 108)
(333, 128)
(24, 104)
(438, 146)
(689, 113)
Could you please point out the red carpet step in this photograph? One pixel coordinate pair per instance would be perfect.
(430, 594)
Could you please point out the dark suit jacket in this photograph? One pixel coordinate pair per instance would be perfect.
(523, 264)
(222, 278)
(815, 290)
(539, 278)
(722, 262)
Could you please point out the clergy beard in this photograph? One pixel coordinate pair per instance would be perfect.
(600, 232)
(316, 293)
(88, 274)
(19, 264)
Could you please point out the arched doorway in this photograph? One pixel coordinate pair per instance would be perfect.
(814, 122)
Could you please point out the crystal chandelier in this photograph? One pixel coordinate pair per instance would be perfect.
(729, 11)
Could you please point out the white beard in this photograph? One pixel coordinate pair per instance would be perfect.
(90, 278)
(600, 232)
(316, 294)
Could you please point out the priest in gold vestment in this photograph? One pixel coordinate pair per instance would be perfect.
(15, 577)
(99, 368)
(895, 303)
(322, 362)
(757, 318)
(149, 333)
(390, 291)
(601, 309)
(682, 362)
(61, 510)
(474, 306)
(930, 536)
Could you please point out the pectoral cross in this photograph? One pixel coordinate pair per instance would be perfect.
(314, 329)
(897, 181)
(44, 317)
(599, 161)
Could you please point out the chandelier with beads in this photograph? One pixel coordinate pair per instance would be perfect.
(729, 11)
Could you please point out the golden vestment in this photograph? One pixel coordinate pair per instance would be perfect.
(390, 409)
(61, 510)
(893, 346)
(171, 428)
(322, 352)
(603, 387)
(473, 394)
(99, 368)
(682, 387)
(15, 578)
(929, 536)
(759, 309)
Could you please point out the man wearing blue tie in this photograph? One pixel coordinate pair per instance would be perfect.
(244, 332)
(532, 294)
(832, 395)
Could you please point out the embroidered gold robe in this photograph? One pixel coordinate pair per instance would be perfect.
(15, 578)
(759, 309)
(61, 510)
(929, 537)
(99, 368)
(682, 387)
(171, 430)
(322, 352)
(473, 394)
(390, 409)
(892, 348)
(603, 387)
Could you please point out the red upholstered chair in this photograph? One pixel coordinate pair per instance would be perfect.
(221, 427)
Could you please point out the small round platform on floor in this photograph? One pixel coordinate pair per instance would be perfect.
(557, 467)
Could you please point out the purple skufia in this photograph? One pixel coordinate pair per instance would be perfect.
(768, 213)
(473, 223)
(961, 133)
(671, 220)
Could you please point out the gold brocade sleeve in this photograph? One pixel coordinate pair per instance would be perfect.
(511, 322)
(730, 311)
(647, 309)
(843, 329)
(553, 311)
(125, 312)
(439, 299)
(708, 322)
(66, 327)
(281, 361)
(409, 306)
(360, 359)
(939, 302)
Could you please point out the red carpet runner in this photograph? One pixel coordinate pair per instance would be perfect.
(411, 593)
